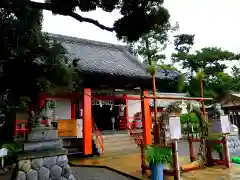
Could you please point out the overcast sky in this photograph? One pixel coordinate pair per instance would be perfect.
(214, 23)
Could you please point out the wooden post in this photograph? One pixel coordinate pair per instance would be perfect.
(226, 152)
(191, 150)
(142, 159)
(87, 122)
(156, 125)
(176, 168)
(209, 153)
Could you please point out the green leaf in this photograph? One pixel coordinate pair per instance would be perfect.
(159, 155)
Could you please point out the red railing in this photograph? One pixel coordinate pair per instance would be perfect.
(133, 128)
(98, 135)
(20, 127)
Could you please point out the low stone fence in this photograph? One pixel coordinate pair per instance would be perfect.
(234, 144)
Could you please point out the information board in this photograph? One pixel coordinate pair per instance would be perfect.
(67, 128)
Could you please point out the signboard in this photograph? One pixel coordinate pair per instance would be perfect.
(175, 127)
(67, 128)
(221, 126)
(225, 124)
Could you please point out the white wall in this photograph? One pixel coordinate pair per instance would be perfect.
(63, 107)
(134, 106)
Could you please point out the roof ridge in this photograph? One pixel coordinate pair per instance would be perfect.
(77, 40)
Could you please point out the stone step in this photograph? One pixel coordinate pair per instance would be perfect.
(115, 140)
(70, 149)
(112, 138)
(118, 144)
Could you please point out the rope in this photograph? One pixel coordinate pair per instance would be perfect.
(174, 107)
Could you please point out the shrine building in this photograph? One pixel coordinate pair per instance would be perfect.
(112, 83)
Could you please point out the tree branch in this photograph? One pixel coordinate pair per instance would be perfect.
(50, 7)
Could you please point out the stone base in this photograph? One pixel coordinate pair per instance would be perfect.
(44, 168)
(42, 134)
(43, 145)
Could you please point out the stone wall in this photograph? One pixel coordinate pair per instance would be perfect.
(234, 145)
(46, 168)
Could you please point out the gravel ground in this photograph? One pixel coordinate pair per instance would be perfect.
(92, 173)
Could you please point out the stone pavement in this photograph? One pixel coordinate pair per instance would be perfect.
(92, 173)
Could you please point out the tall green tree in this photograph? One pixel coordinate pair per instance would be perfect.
(30, 62)
(210, 59)
(138, 17)
(150, 49)
(150, 46)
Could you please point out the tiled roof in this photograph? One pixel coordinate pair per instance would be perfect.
(166, 102)
(105, 58)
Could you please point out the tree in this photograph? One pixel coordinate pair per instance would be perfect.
(236, 78)
(209, 59)
(183, 43)
(30, 62)
(138, 16)
(150, 46)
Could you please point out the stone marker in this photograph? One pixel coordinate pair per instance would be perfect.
(43, 157)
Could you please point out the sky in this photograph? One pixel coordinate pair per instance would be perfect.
(214, 23)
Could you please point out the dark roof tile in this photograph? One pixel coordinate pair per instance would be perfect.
(106, 58)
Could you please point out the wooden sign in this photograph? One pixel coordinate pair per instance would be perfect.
(67, 128)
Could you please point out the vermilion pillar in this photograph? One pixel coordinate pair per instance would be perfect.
(42, 99)
(73, 109)
(126, 112)
(147, 120)
(87, 122)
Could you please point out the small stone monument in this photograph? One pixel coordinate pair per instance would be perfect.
(43, 156)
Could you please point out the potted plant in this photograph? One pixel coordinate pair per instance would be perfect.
(157, 157)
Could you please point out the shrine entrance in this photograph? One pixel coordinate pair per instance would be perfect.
(106, 115)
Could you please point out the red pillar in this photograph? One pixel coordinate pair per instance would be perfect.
(73, 109)
(42, 99)
(126, 111)
(147, 120)
(87, 122)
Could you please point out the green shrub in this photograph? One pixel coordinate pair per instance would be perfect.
(159, 155)
(13, 150)
(190, 118)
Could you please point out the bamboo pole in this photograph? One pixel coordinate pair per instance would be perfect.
(179, 98)
(176, 168)
(202, 101)
(156, 124)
